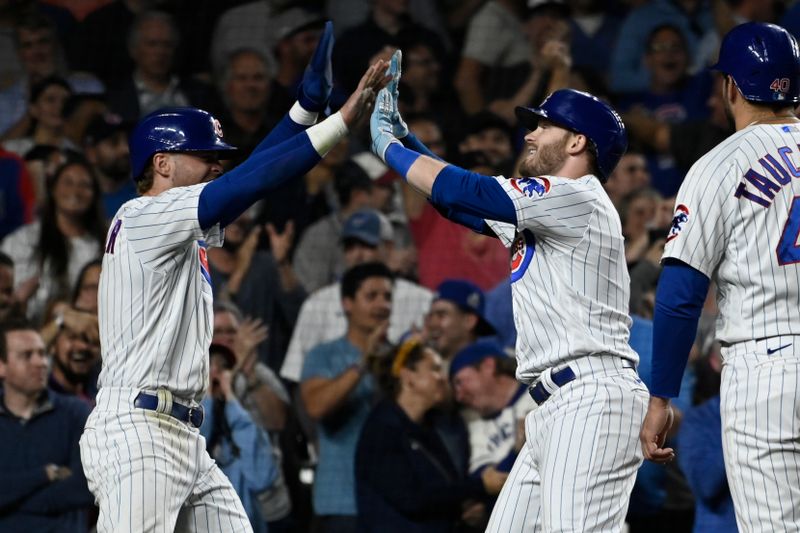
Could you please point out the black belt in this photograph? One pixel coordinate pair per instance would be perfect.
(190, 415)
(560, 378)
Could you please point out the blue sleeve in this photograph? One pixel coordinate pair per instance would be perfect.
(284, 130)
(227, 197)
(474, 223)
(472, 194)
(411, 142)
(679, 302)
(255, 448)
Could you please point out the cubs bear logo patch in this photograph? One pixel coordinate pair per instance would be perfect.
(531, 186)
(522, 250)
(681, 217)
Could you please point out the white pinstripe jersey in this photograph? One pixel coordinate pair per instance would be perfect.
(737, 220)
(492, 438)
(155, 299)
(569, 279)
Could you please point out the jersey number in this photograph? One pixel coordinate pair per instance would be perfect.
(112, 237)
(788, 251)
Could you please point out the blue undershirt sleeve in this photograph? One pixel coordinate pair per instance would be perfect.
(472, 194)
(227, 197)
(680, 296)
(284, 130)
(476, 224)
(411, 142)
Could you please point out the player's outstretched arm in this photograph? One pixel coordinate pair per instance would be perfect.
(410, 141)
(679, 302)
(448, 186)
(399, 126)
(227, 197)
(312, 95)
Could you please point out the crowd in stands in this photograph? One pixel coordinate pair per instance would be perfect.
(362, 362)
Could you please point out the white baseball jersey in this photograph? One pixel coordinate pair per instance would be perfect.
(737, 220)
(492, 438)
(155, 302)
(570, 288)
(569, 278)
(147, 470)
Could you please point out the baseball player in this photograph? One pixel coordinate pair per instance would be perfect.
(737, 219)
(144, 458)
(570, 298)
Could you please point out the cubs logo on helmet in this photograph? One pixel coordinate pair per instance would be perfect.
(681, 217)
(531, 186)
(522, 250)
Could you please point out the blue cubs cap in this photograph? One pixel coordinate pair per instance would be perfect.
(468, 297)
(363, 225)
(585, 114)
(763, 60)
(368, 226)
(474, 354)
(174, 129)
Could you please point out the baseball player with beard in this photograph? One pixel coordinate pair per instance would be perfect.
(143, 456)
(570, 296)
(737, 220)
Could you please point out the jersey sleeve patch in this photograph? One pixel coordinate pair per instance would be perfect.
(678, 222)
(521, 254)
(531, 186)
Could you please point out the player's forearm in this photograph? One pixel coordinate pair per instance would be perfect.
(679, 302)
(323, 397)
(411, 142)
(297, 120)
(451, 187)
(227, 197)
(476, 224)
(472, 194)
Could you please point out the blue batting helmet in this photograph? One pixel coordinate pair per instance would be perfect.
(174, 129)
(764, 62)
(585, 114)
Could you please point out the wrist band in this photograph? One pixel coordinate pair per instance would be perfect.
(302, 116)
(326, 134)
(400, 158)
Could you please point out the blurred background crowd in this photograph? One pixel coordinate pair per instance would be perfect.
(362, 361)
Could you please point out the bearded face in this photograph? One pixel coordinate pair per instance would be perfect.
(547, 152)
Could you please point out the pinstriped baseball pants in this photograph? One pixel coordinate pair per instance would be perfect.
(760, 410)
(577, 468)
(151, 473)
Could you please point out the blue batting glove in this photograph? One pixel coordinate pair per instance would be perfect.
(399, 126)
(315, 89)
(380, 124)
